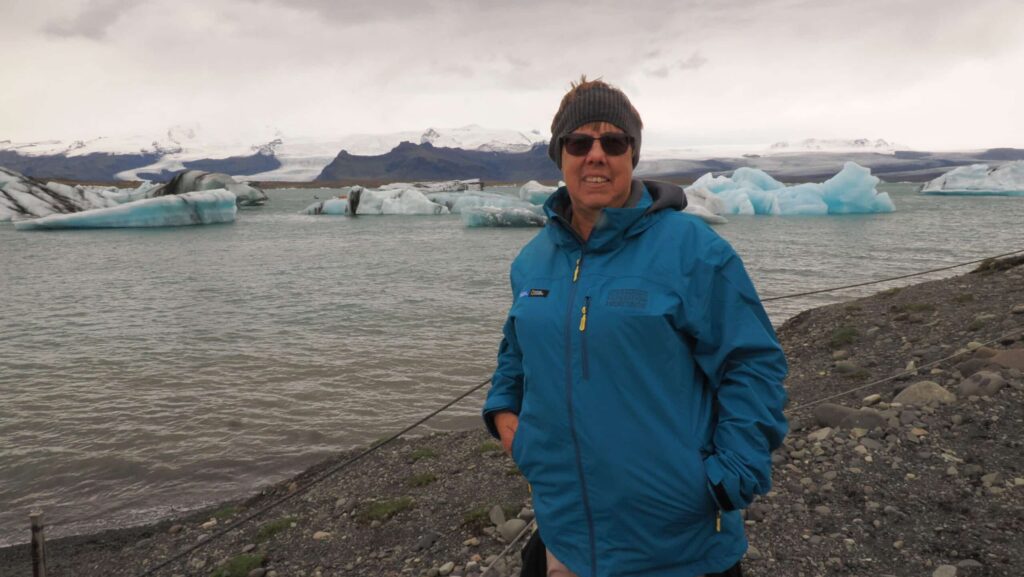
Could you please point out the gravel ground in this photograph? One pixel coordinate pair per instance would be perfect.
(918, 475)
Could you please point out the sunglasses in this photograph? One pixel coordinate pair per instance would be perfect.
(612, 143)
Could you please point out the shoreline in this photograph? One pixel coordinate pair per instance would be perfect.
(850, 501)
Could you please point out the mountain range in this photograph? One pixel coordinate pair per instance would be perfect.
(448, 153)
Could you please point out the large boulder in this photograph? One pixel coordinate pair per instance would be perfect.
(925, 393)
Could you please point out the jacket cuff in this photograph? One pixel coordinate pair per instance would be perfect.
(497, 405)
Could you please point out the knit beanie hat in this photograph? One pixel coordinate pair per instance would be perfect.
(595, 102)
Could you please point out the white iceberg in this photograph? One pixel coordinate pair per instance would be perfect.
(752, 191)
(980, 179)
(24, 197)
(535, 192)
(460, 201)
(489, 216)
(443, 186)
(206, 207)
(359, 200)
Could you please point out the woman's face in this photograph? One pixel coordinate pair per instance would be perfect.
(598, 180)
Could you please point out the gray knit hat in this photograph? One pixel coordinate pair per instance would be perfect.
(595, 102)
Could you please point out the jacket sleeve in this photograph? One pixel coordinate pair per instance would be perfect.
(506, 392)
(739, 353)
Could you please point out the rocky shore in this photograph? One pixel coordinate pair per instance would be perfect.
(921, 474)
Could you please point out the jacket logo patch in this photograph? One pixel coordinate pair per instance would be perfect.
(627, 298)
(538, 292)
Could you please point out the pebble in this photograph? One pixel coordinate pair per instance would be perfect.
(257, 572)
(871, 399)
(321, 536)
(510, 529)
(820, 435)
(209, 524)
(1017, 310)
(426, 541)
(446, 569)
(923, 393)
(822, 510)
(471, 542)
(497, 515)
(248, 548)
(945, 571)
(175, 529)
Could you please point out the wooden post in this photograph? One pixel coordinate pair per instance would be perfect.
(38, 545)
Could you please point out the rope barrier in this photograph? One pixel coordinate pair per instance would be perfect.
(508, 549)
(342, 466)
(833, 289)
(318, 479)
(905, 372)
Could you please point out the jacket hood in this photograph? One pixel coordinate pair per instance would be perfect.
(646, 199)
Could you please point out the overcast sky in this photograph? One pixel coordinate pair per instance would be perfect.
(922, 73)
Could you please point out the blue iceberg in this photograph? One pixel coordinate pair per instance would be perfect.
(979, 179)
(488, 216)
(206, 207)
(752, 191)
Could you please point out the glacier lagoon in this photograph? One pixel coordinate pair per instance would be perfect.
(148, 371)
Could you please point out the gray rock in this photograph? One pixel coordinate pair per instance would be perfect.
(510, 529)
(1010, 358)
(248, 548)
(971, 366)
(1017, 310)
(982, 383)
(426, 541)
(864, 418)
(257, 572)
(831, 414)
(924, 393)
(822, 510)
(846, 367)
(497, 515)
(446, 568)
(945, 571)
(820, 435)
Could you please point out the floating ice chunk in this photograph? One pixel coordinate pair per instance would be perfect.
(852, 190)
(361, 200)
(751, 191)
(194, 180)
(704, 214)
(459, 201)
(444, 186)
(535, 192)
(502, 217)
(705, 204)
(206, 207)
(980, 179)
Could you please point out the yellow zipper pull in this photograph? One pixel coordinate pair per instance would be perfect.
(718, 522)
(576, 273)
(583, 319)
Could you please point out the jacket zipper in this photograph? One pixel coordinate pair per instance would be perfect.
(572, 426)
(583, 338)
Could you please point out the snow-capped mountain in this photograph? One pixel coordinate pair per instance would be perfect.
(273, 156)
(879, 146)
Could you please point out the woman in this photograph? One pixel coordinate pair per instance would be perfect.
(639, 381)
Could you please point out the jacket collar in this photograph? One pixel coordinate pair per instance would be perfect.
(647, 199)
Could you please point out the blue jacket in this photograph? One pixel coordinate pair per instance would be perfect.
(648, 383)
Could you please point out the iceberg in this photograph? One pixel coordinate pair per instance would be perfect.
(752, 191)
(205, 207)
(198, 180)
(980, 179)
(444, 186)
(535, 192)
(489, 216)
(359, 200)
(460, 201)
(24, 197)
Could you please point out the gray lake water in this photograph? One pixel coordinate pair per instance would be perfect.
(144, 372)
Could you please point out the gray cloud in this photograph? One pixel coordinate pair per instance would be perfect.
(694, 62)
(92, 22)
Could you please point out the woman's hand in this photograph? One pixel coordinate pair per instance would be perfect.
(506, 422)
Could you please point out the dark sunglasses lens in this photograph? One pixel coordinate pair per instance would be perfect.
(578, 144)
(614, 144)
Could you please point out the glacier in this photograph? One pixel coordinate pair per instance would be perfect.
(980, 179)
(490, 216)
(753, 191)
(201, 207)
